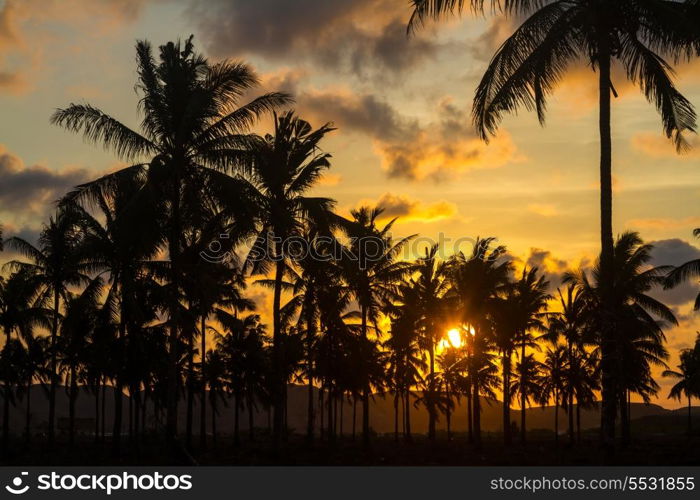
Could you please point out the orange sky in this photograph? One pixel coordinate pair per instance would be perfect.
(404, 138)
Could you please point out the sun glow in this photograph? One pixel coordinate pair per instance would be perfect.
(454, 337)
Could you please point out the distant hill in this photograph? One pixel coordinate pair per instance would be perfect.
(652, 418)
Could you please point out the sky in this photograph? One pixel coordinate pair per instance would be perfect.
(401, 105)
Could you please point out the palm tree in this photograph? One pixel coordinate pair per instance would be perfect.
(372, 273)
(571, 323)
(638, 336)
(79, 322)
(192, 130)
(688, 376)
(214, 375)
(684, 272)
(476, 283)
(552, 382)
(56, 265)
(527, 385)
(287, 165)
(637, 34)
(430, 286)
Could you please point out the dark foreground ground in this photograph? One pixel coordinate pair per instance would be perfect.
(539, 450)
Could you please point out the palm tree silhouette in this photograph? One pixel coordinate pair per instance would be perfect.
(57, 264)
(476, 283)
(552, 381)
(372, 276)
(192, 129)
(526, 385)
(637, 34)
(288, 163)
(688, 376)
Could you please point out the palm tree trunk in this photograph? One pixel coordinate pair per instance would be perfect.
(396, 416)
(71, 407)
(236, 423)
(505, 361)
(203, 397)
(365, 388)
(6, 418)
(409, 436)
(609, 410)
(354, 416)
(523, 395)
(118, 389)
(470, 420)
(277, 382)
(310, 334)
(477, 414)
(97, 411)
(431, 395)
(190, 392)
(102, 410)
(690, 417)
(578, 421)
(28, 415)
(570, 397)
(624, 420)
(52, 370)
(251, 421)
(213, 420)
(556, 418)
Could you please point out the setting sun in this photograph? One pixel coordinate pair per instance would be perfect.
(454, 337)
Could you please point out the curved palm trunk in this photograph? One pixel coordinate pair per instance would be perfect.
(608, 413)
(6, 408)
(52, 374)
(277, 381)
(470, 419)
(203, 397)
(365, 389)
(505, 361)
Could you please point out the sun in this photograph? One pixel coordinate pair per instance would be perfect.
(454, 337)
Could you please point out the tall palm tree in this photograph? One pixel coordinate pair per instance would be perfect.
(552, 382)
(640, 35)
(571, 323)
(635, 318)
(372, 272)
(430, 286)
(477, 281)
(688, 376)
(56, 265)
(526, 385)
(192, 130)
(288, 163)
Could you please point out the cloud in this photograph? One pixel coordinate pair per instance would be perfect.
(360, 36)
(543, 209)
(656, 145)
(330, 179)
(674, 252)
(552, 267)
(31, 189)
(411, 209)
(690, 222)
(28, 30)
(437, 150)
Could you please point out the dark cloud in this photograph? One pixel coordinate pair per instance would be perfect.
(674, 252)
(409, 150)
(33, 188)
(361, 36)
(552, 267)
(360, 113)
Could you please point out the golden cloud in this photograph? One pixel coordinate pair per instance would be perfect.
(656, 145)
(411, 209)
(664, 223)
